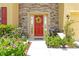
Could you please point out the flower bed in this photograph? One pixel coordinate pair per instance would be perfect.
(11, 42)
(12, 47)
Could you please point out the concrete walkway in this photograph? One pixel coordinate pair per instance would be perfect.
(38, 48)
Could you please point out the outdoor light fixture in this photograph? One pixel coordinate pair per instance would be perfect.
(68, 17)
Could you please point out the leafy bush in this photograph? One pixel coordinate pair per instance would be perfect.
(68, 41)
(11, 42)
(5, 29)
(12, 47)
(10, 31)
(56, 42)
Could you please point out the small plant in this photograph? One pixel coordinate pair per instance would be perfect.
(69, 42)
(11, 47)
(54, 41)
(68, 30)
(11, 31)
(57, 42)
(5, 30)
(11, 42)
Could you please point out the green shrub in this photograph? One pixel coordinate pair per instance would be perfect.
(8, 30)
(12, 47)
(56, 41)
(69, 42)
(11, 31)
(11, 42)
(5, 29)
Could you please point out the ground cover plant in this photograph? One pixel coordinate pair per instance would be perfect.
(11, 41)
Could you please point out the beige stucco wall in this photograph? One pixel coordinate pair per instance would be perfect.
(61, 16)
(12, 13)
(15, 14)
(75, 25)
(70, 7)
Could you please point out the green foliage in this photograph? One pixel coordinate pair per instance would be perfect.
(8, 30)
(11, 31)
(12, 47)
(69, 32)
(17, 32)
(5, 29)
(68, 29)
(68, 41)
(11, 42)
(56, 41)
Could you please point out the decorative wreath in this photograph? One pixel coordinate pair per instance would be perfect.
(38, 19)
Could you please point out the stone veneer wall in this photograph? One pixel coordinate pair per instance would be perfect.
(51, 8)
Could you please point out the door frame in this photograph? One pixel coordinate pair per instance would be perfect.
(39, 13)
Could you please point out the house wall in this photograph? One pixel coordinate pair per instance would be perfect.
(70, 7)
(51, 8)
(12, 13)
(75, 18)
(61, 16)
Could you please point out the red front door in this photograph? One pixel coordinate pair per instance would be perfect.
(38, 25)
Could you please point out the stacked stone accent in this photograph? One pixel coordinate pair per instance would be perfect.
(51, 8)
